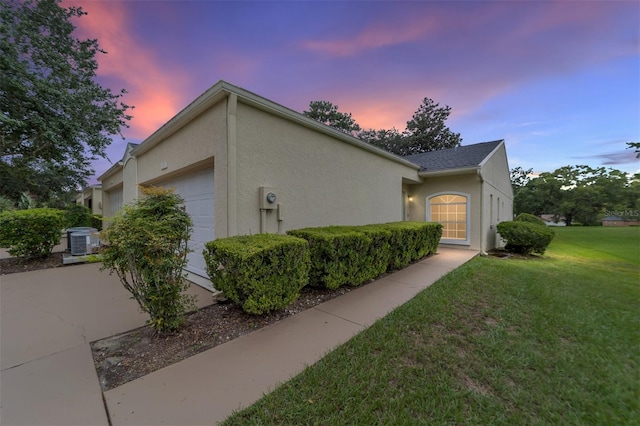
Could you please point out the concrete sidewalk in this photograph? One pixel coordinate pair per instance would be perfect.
(49, 317)
(206, 388)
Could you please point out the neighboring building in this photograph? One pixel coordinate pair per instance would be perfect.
(91, 197)
(553, 220)
(230, 148)
(618, 221)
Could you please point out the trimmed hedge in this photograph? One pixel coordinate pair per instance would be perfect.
(527, 217)
(355, 254)
(261, 272)
(525, 237)
(338, 255)
(31, 233)
(411, 241)
(77, 215)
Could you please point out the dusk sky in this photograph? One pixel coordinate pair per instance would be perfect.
(558, 80)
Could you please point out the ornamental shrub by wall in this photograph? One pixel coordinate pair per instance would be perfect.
(31, 233)
(527, 217)
(411, 241)
(525, 237)
(355, 254)
(261, 273)
(147, 249)
(338, 255)
(76, 215)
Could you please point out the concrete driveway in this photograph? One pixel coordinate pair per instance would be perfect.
(47, 319)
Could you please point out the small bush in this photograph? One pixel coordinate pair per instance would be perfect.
(527, 217)
(338, 255)
(96, 221)
(77, 215)
(147, 249)
(525, 237)
(31, 233)
(6, 204)
(261, 272)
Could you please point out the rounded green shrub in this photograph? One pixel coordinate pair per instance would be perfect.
(31, 233)
(527, 217)
(147, 249)
(6, 204)
(77, 215)
(525, 237)
(261, 273)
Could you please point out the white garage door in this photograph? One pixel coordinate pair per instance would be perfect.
(197, 191)
(115, 202)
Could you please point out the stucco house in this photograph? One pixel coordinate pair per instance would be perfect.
(246, 165)
(91, 197)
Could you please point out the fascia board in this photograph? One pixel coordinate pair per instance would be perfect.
(116, 167)
(450, 172)
(484, 161)
(212, 96)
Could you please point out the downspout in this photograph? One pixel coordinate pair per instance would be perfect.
(482, 234)
(263, 221)
(232, 166)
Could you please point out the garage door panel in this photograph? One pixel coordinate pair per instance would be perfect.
(197, 192)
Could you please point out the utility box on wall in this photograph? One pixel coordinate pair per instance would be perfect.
(268, 198)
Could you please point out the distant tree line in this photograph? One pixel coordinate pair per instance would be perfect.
(576, 193)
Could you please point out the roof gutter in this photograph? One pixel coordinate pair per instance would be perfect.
(451, 172)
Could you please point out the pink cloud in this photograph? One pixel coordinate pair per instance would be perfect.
(153, 87)
(375, 36)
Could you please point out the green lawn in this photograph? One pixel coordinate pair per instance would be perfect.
(554, 340)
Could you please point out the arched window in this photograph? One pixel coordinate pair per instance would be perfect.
(452, 211)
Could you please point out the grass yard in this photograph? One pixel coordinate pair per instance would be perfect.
(553, 340)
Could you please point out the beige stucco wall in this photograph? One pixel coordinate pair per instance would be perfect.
(320, 180)
(111, 181)
(469, 184)
(200, 144)
(497, 193)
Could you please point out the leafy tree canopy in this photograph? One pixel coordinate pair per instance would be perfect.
(426, 131)
(579, 193)
(519, 178)
(327, 113)
(54, 118)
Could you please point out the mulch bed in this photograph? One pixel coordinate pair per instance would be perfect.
(14, 265)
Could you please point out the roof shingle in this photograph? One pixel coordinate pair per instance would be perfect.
(453, 158)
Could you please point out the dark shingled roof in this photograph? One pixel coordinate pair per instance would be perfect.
(453, 158)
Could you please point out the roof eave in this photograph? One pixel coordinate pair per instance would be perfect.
(449, 172)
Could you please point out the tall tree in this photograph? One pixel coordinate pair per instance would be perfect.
(327, 113)
(427, 130)
(54, 118)
(389, 140)
(519, 178)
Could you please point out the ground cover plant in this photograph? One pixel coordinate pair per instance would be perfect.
(548, 340)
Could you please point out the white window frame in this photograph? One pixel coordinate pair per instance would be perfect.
(465, 242)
